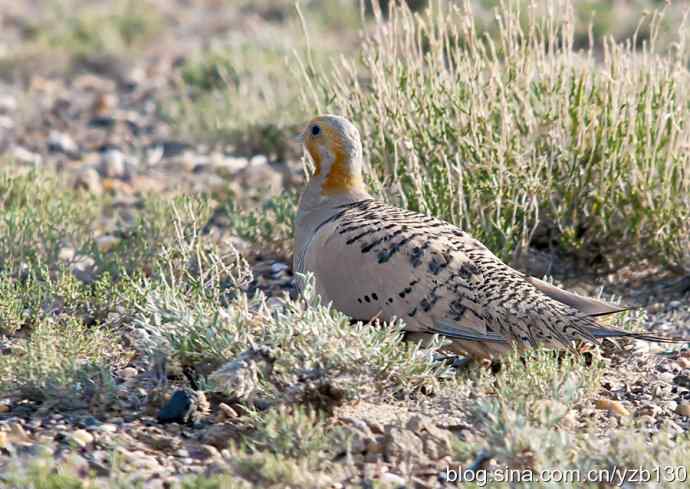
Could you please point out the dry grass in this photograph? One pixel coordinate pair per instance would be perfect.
(522, 139)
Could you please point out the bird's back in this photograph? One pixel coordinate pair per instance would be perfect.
(372, 259)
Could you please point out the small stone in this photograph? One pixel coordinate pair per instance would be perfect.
(128, 372)
(649, 410)
(205, 452)
(670, 406)
(682, 380)
(258, 160)
(23, 155)
(7, 103)
(81, 438)
(113, 164)
(90, 180)
(613, 407)
(683, 362)
(392, 480)
(107, 428)
(673, 305)
(220, 435)
(60, 142)
(683, 408)
(180, 408)
(401, 443)
(106, 243)
(83, 267)
(5, 406)
(226, 412)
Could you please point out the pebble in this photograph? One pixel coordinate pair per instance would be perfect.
(669, 405)
(106, 243)
(107, 428)
(392, 479)
(128, 372)
(180, 407)
(226, 412)
(683, 408)
(90, 180)
(613, 407)
(113, 164)
(60, 142)
(23, 155)
(81, 438)
(8, 103)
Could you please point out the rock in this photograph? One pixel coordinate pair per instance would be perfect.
(7, 103)
(683, 408)
(60, 142)
(278, 267)
(219, 435)
(226, 412)
(113, 164)
(613, 407)
(158, 440)
(437, 441)
(107, 428)
(262, 177)
(683, 362)
(89, 179)
(128, 372)
(669, 406)
(106, 243)
(241, 375)
(226, 167)
(682, 380)
(649, 410)
(83, 267)
(5, 406)
(23, 155)
(204, 452)
(400, 443)
(81, 438)
(183, 407)
(392, 480)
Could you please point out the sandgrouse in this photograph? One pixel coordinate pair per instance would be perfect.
(371, 259)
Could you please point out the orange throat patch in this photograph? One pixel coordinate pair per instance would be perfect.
(340, 179)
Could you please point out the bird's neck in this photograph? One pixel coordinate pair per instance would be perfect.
(319, 202)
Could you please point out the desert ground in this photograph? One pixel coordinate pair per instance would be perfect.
(151, 333)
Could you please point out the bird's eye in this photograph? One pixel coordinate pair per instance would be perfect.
(315, 131)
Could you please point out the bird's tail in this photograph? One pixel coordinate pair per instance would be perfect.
(601, 332)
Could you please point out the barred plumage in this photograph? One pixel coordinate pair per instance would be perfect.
(372, 259)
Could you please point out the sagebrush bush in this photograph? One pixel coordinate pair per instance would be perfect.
(519, 137)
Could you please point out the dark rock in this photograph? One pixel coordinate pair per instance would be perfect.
(183, 407)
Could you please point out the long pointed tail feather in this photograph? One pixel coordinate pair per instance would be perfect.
(601, 332)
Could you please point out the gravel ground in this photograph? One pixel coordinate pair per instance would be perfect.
(102, 130)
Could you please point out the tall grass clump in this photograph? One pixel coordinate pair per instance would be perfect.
(521, 138)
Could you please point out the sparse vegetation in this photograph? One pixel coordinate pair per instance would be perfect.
(116, 291)
(522, 139)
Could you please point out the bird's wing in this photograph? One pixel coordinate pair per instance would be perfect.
(376, 260)
(379, 260)
(585, 305)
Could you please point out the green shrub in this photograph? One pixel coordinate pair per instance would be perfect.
(520, 138)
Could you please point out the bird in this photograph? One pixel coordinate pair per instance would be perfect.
(370, 259)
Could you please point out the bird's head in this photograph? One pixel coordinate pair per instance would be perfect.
(334, 146)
